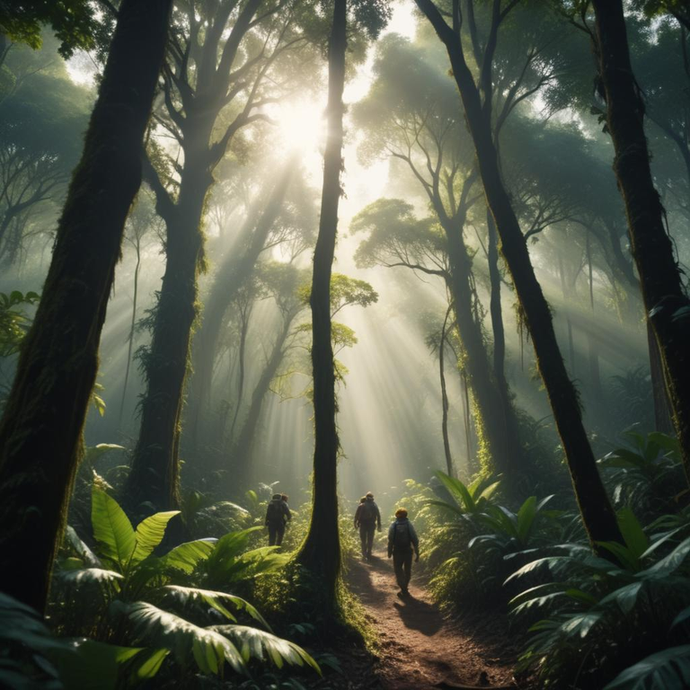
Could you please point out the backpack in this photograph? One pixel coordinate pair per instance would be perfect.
(368, 512)
(401, 535)
(274, 513)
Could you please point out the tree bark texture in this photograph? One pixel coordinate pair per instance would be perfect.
(154, 475)
(598, 516)
(445, 405)
(663, 292)
(40, 433)
(320, 553)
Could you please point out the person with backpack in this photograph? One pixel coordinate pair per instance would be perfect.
(369, 519)
(277, 516)
(358, 512)
(402, 543)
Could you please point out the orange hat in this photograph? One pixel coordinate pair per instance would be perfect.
(401, 513)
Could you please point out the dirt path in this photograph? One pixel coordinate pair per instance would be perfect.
(420, 649)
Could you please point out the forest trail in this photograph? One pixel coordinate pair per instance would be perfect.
(420, 649)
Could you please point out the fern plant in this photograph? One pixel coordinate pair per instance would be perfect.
(646, 475)
(177, 602)
(597, 617)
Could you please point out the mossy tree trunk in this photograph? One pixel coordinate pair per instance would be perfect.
(597, 513)
(154, 477)
(40, 433)
(663, 292)
(320, 553)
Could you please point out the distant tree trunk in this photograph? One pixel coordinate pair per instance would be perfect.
(231, 275)
(444, 396)
(499, 443)
(495, 304)
(598, 516)
(130, 339)
(240, 455)
(320, 553)
(660, 278)
(244, 316)
(568, 323)
(40, 433)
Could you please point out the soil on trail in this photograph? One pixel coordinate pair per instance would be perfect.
(420, 649)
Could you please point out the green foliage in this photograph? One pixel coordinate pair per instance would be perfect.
(647, 475)
(72, 21)
(14, 322)
(603, 617)
(167, 604)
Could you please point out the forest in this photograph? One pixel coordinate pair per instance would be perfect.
(344, 344)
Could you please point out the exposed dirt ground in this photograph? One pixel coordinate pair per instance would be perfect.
(420, 649)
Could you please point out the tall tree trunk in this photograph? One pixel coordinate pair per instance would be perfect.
(660, 278)
(444, 396)
(154, 476)
(130, 339)
(598, 516)
(495, 308)
(320, 553)
(40, 433)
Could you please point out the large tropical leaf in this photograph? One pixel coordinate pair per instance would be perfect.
(21, 624)
(262, 645)
(95, 665)
(214, 599)
(82, 550)
(149, 534)
(666, 670)
(672, 562)
(112, 528)
(93, 453)
(209, 648)
(187, 556)
(457, 490)
(633, 534)
(82, 576)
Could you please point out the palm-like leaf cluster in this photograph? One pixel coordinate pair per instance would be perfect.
(174, 605)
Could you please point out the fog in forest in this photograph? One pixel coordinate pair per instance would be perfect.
(205, 385)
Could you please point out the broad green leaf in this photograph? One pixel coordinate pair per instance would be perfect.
(525, 519)
(635, 538)
(98, 666)
(666, 670)
(262, 645)
(213, 599)
(187, 556)
(111, 528)
(93, 453)
(149, 534)
(83, 551)
(183, 638)
(673, 561)
(625, 597)
(90, 575)
(457, 490)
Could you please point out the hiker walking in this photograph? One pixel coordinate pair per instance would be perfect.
(402, 542)
(277, 515)
(367, 518)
